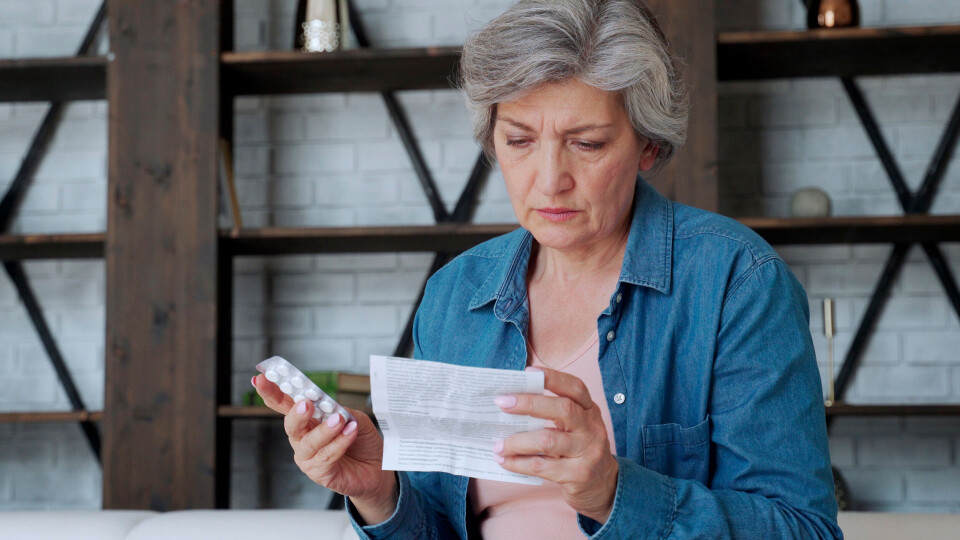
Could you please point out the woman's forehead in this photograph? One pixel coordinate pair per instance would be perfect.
(570, 105)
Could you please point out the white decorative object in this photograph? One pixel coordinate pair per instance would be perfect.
(321, 29)
(810, 202)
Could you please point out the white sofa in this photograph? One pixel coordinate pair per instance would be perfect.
(333, 525)
(182, 525)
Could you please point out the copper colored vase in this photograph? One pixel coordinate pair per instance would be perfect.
(833, 13)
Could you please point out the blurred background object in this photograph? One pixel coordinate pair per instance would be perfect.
(833, 13)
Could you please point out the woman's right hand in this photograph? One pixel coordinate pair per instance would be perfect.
(344, 458)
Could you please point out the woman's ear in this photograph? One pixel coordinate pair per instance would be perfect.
(648, 156)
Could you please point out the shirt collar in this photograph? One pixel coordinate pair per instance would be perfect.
(647, 261)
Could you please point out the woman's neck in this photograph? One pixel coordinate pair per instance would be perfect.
(596, 260)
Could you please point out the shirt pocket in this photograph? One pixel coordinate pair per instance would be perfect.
(677, 451)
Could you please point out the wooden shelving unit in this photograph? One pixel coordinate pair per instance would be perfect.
(358, 70)
(739, 56)
(455, 238)
(53, 79)
(837, 52)
(431, 238)
(51, 246)
(846, 409)
(38, 417)
(856, 230)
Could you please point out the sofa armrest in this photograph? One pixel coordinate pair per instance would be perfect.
(245, 525)
(72, 524)
(883, 526)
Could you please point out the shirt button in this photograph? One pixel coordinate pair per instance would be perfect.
(619, 398)
(619, 297)
(610, 335)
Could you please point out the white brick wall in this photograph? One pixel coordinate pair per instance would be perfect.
(335, 159)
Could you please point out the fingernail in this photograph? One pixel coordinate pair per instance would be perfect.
(253, 381)
(534, 368)
(302, 407)
(498, 448)
(505, 402)
(333, 420)
(350, 427)
(498, 459)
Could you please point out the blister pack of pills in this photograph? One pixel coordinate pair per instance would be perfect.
(296, 385)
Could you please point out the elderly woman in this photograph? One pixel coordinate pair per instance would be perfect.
(683, 395)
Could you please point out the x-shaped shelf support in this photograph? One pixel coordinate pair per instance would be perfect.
(8, 206)
(466, 203)
(912, 203)
(462, 212)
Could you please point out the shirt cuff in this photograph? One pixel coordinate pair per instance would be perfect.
(644, 505)
(406, 517)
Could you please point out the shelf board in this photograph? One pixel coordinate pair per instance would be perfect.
(53, 79)
(449, 238)
(837, 52)
(847, 409)
(840, 409)
(49, 416)
(356, 70)
(857, 230)
(242, 411)
(740, 56)
(236, 411)
(51, 246)
(455, 238)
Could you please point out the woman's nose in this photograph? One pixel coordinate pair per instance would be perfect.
(553, 176)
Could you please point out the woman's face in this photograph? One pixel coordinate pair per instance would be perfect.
(570, 159)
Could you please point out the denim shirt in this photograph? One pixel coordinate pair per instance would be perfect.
(708, 370)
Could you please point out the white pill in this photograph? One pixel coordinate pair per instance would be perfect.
(298, 398)
(283, 370)
(327, 406)
(318, 414)
(286, 388)
(272, 375)
(312, 394)
(297, 381)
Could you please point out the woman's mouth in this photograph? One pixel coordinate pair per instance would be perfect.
(557, 214)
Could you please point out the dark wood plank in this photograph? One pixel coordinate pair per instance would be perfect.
(450, 238)
(846, 409)
(837, 52)
(857, 230)
(53, 79)
(691, 177)
(358, 70)
(839, 409)
(15, 247)
(241, 411)
(352, 400)
(161, 252)
(50, 416)
(456, 238)
(740, 56)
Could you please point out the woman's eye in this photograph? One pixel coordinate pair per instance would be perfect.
(593, 146)
(516, 142)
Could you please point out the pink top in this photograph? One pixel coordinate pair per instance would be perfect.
(507, 510)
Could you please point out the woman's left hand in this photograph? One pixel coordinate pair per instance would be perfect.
(575, 453)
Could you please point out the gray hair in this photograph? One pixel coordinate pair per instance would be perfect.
(613, 45)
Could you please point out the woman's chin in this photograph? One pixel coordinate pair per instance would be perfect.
(557, 237)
